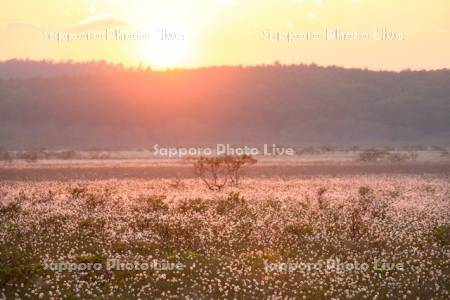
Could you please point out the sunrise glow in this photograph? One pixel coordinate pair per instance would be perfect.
(232, 32)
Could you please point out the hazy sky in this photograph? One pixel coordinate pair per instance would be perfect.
(216, 32)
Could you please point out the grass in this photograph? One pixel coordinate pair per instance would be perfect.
(224, 240)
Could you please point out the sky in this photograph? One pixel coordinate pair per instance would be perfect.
(373, 34)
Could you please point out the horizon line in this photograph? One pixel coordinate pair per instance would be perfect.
(276, 63)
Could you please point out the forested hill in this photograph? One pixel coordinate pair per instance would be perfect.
(15, 68)
(96, 104)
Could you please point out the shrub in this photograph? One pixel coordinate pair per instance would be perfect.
(375, 155)
(356, 224)
(95, 200)
(14, 265)
(5, 156)
(398, 157)
(49, 197)
(364, 208)
(233, 201)
(30, 156)
(320, 199)
(78, 192)
(299, 230)
(92, 224)
(97, 154)
(91, 258)
(178, 234)
(195, 205)
(10, 210)
(177, 183)
(441, 233)
(413, 155)
(68, 154)
(153, 203)
(372, 155)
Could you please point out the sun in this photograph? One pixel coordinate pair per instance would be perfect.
(168, 47)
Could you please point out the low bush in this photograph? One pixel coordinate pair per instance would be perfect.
(441, 233)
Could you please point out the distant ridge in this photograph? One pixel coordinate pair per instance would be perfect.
(23, 68)
(99, 104)
(16, 68)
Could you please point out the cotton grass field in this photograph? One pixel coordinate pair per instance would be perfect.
(346, 236)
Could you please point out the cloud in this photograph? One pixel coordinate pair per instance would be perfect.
(98, 21)
(95, 22)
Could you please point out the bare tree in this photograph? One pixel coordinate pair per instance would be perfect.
(235, 165)
(217, 171)
(212, 171)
